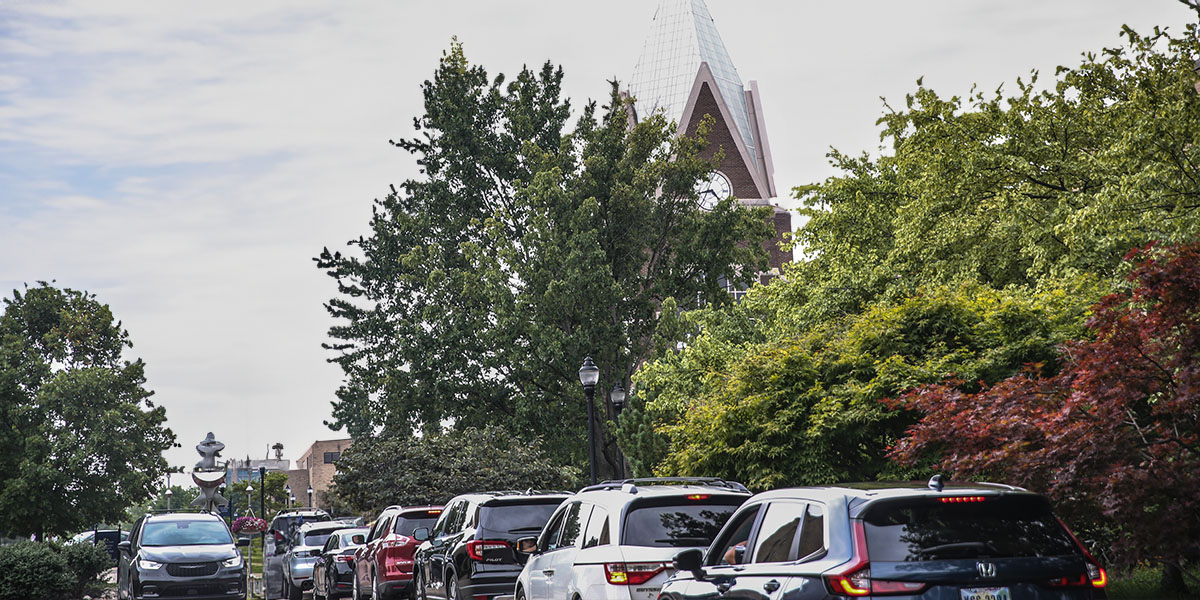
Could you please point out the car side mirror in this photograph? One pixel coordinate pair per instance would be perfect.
(527, 545)
(125, 546)
(243, 542)
(690, 560)
(421, 534)
(280, 549)
(358, 539)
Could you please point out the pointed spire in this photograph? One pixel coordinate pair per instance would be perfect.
(682, 36)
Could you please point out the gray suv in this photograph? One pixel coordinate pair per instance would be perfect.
(192, 555)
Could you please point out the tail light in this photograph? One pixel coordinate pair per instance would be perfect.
(395, 542)
(962, 499)
(854, 579)
(346, 558)
(1097, 576)
(698, 497)
(476, 548)
(632, 573)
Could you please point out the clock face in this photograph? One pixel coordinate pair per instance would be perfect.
(713, 190)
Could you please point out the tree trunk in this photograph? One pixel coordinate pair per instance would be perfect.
(1172, 579)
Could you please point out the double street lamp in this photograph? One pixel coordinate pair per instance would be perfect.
(589, 375)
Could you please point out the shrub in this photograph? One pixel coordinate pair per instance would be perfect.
(31, 570)
(85, 563)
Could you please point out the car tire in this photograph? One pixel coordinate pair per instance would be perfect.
(520, 594)
(418, 585)
(452, 586)
(294, 593)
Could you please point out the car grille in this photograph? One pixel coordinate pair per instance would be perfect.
(192, 569)
(183, 591)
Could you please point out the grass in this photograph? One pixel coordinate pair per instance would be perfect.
(1142, 583)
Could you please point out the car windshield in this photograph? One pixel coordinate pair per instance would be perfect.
(185, 533)
(316, 538)
(517, 518)
(407, 525)
(984, 527)
(694, 524)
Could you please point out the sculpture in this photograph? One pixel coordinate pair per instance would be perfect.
(209, 475)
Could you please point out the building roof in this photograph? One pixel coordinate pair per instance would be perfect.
(682, 36)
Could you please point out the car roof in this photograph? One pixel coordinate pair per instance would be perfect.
(184, 516)
(329, 525)
(859, 493)
(514, 495)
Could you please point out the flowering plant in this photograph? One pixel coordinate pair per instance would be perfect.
(249, 525)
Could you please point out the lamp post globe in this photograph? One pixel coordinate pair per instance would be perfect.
(589, 374)
(168, 494)
(310, 493)
(617, 397)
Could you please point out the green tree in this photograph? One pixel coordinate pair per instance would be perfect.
(81, 439)
(1012, 189)
(180, 498)
(273, 494)
(379, 471)
(805, 409)
(523, 248)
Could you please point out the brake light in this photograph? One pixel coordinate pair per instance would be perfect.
(632, 573)
(344, 558)
(698, 497)
(395, 542)
(855, 578)
(436, 511)
(1080, 580)
(476, 548)
(962, 499)
(1096, 574)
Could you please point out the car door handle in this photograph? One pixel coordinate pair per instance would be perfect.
(548, 572)
(771, 586)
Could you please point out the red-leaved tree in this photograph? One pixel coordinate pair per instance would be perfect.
(1113, 437)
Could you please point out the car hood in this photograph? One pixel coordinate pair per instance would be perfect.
(180, 554)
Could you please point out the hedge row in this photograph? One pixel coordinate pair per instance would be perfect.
(48, 571)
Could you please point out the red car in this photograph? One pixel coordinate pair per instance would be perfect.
(383, 566)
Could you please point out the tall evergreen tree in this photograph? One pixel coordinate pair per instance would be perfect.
(521, 249)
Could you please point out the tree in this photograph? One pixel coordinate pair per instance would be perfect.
(1011, 190)
(522, 249)
(81, 439)
(180, 497)
(379, 471)
(1114, 436)
(273, 494)
(802, 408)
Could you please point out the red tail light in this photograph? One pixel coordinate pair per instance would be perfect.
(698, 497)
(1096, 574)
(854, 579)
(962, 499)
(346, 558)
(476, 548)
(395, 542)
(632, 573)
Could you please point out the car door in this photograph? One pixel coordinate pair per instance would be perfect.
(560, 582)
(125, 561)
(321, 567)
(441, 547)
(539, 564)
(364, 559)
(725, 559)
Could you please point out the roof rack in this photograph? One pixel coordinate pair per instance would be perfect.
(615, 484)
(186, 509)
(527, 492)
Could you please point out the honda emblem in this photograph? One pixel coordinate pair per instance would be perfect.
(986, 569)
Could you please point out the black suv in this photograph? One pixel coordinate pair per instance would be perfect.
(191, 555)
(947, 542)
(471, 551)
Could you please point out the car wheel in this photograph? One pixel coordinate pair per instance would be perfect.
(520, 594)
(452, 586)
(418, 585)
(295, 593)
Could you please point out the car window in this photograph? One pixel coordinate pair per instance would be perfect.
(777, 531)
(316, 538)
(922, 529)
(516, 518)
(408, 523)
(730, 547)
(597, 529)
(573, 524)
(682, 523)
(549, 538)
(185, 533)
(330, 544)
(812, 533)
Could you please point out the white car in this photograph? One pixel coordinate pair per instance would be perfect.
(615, 540)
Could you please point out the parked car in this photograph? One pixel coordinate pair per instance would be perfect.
(275, 548)
(333, 571)
(615, 540)
(181, 554)
(383, 566)
(304, 548)
(470, 552)
(935, 541)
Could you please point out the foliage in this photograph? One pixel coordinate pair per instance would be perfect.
(1114, 436)
(804, 408)
(522, 248)
(180, 497)
(1039, 185)
(273, 495)
(85, 564)
(81, 439)
(379, 471)
(33, 570)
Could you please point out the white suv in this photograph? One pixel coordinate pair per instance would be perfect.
(615, 540)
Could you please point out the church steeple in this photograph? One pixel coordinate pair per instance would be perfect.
(685, 69)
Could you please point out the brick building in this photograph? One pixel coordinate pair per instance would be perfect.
(685, 73)
(315, 468)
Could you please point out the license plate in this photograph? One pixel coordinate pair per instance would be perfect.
(992, 593)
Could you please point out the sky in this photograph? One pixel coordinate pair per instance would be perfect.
(185, 162)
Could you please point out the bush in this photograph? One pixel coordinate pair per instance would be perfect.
(31, 570)
(85, 563)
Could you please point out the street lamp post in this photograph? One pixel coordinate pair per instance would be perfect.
(617, 397)
(310, 496)
(589, 374)
(287, 489)
(168, 494)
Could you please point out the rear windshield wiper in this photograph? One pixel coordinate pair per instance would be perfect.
(524, 529)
